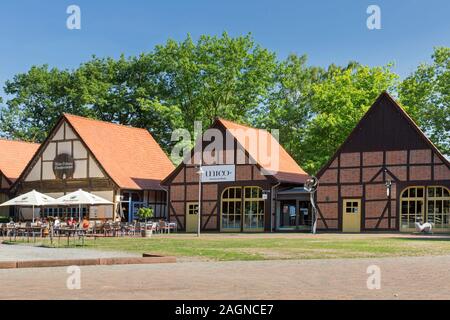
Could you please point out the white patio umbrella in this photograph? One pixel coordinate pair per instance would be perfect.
(81, 197)
(30, 199)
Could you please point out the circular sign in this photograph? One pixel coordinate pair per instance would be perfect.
(63, 166)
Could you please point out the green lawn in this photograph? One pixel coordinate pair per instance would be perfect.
(266, 247)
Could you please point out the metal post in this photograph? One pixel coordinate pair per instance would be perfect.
(200, 173)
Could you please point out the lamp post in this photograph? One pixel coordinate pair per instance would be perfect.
(200, 175)
(388, 185)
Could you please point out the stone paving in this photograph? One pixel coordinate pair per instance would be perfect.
(401, 278)
(22, 252)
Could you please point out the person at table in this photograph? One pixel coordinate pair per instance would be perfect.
(85, 223)
(71, 222)
(56, 223)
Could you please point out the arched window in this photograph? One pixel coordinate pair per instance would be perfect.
(438, 207)
(412, 202)
(425, 204)
(231, 208)
(249, 216)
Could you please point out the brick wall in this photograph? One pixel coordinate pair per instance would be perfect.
(350, 191)
(176, 192)
(369, 173)
(372, 158)
(349, 175)
(329, 176)
(210, 191)
(419, 173)
(420, 156)
(441, 172)
(329, 210)
(243, 173)
(327, 193)
(350, 159)
(396, 157)
(399, 172)
(375, 191)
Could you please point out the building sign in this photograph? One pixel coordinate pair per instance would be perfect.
(63, 166)
(221, 173)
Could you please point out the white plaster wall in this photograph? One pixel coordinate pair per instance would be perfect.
(35, 173)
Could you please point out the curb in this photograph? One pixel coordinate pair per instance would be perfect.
(146, 259)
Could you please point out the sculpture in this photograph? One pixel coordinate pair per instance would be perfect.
(311, 186)
(426, 227)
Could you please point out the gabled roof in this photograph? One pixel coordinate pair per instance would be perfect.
(385, 126)
(14, 156)
(130, 156)
(288, 170)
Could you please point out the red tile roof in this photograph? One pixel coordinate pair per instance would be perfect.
(286, 168)
(14, 157)
(130, 156)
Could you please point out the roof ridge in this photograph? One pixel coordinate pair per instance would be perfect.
(68, 115)
(239, 124)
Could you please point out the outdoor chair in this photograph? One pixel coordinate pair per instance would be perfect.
(116, 229)
(173, 226)
(4, 229)
(107, 229)
(163, 227)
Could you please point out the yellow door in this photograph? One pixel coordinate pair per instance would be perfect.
(351, 211)
(191, 217)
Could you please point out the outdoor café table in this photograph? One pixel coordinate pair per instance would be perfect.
(72, 232)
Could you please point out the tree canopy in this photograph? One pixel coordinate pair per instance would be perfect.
(177, 83)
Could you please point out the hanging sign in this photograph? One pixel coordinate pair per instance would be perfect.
(63, 166)
(221, 173)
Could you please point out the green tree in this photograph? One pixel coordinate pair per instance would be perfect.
(338, 102)
(167, 88)
(289, 107)
(217, 76)
(425, 94)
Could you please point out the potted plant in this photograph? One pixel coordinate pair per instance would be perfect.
(145, 214)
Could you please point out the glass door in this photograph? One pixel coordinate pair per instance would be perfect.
(253, 209)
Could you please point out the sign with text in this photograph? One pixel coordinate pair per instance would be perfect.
(63, 166)
(221, 173)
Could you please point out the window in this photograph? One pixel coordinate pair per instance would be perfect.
(248, 199)
(411, 207)
(253, 209)
(438, 207)
(351, 207)
(436, 211)
(193, 208)
(231, 209)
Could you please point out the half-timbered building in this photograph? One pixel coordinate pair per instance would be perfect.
(242, 186)
(386, 176)
(122, 164)
(14, 156)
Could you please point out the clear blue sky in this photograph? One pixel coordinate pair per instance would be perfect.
(34, 32)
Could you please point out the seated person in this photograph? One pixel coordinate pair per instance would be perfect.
(71, 222)
(56, 223)
(85, 223)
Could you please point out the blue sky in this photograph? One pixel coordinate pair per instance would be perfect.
(34, 32)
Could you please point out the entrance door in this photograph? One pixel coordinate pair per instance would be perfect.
(351, 212)
(192, 217)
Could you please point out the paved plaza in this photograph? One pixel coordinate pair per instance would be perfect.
(401, 278)
(24, 253)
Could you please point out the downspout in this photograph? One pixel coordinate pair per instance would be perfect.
(272, 206)
(167, 202)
